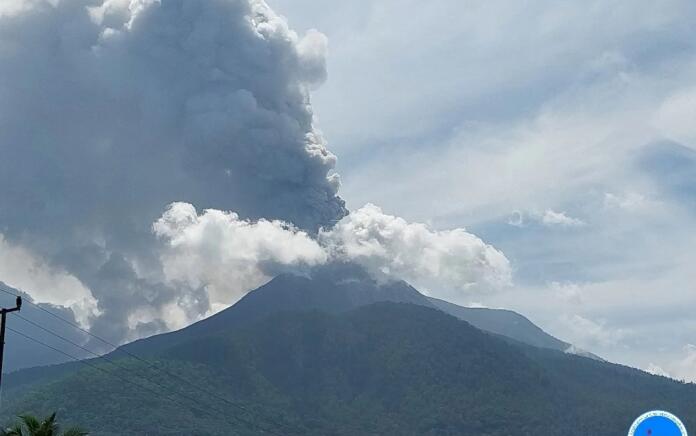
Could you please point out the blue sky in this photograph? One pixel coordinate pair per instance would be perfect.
(563, 133)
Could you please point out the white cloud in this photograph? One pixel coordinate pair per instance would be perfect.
(676, 117)
(630, 201)
(12, 7)
(572, 349)
(23, 270)
(548, 218)
(656, 370)
(568, 291)
(446, 260)
(590, 334)
(684, 368)
(681, 367)
(516, 219)
(553, 218)
(228, 255)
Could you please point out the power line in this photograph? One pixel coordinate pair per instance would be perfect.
(98, 356)
(141, 386)
(64, 339)
(148, 363)
(107, 359)
(60, 318)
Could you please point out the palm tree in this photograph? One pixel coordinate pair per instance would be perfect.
(30, 426)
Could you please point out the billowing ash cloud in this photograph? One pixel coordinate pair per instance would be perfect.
(120, 119)
(228, 256)
(110, 111)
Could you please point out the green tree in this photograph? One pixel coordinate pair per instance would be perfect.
(31, 426)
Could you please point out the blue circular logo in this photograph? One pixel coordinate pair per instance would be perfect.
(657, 423)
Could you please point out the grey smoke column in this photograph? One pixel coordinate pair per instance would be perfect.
(110, 111)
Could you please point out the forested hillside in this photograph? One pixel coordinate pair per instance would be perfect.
(386, 368)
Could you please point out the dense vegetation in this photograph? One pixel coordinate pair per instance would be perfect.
(29, 425)
(387, 368)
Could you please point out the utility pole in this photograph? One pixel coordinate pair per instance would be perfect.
(3, 313)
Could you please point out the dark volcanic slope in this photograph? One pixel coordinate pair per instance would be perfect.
(340, 288)
(332, 289)
(502, 322)
(386, 368)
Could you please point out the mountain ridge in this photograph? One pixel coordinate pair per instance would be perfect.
(333, 288)
(344, 287)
